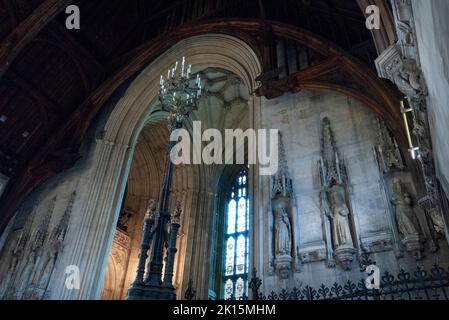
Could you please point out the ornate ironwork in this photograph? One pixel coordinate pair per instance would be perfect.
(365, 260)
(255, 284)
(190, 292)
(417, 285)
(178, 96)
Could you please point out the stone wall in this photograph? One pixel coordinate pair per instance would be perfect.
(298, 117)
(432, 30)
(36, 241)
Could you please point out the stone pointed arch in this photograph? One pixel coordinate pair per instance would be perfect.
(99, 208)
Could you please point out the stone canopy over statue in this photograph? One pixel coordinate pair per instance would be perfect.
(336, 213)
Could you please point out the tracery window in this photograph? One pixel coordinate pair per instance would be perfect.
(236, 239)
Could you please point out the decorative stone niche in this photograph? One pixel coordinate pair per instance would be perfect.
(337, 216)
(283, 210)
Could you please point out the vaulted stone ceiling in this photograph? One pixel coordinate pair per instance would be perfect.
(53, 82)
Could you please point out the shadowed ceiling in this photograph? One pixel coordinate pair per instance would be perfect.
(50, 75)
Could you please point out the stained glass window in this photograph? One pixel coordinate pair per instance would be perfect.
(230, 249)
(239, 288)
(241, 255)
(236, 239)
(241, 215)
(231, 216)
(229, 289)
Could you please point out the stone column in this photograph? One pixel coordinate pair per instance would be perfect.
(93, 224)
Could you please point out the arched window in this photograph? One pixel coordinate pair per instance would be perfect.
(235, 280)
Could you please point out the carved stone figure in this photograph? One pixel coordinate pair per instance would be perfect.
(283, 233)
(151, 213)
(407, 221)
(333, 203)
(283, 253)
(437, 220)
(409, 79)
(340, 221)
(405, 215)
(151, 208)
(176, 215)
(401, 64)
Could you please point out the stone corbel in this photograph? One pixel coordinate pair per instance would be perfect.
(403, 72)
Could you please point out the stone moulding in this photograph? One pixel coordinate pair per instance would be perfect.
(377, 243)
(310, 254)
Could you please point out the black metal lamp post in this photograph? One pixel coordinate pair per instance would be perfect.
(179, 94)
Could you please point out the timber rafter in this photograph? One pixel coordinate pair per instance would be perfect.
(27, 30)
(343, 75)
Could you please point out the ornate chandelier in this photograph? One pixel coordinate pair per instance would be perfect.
(179, 93)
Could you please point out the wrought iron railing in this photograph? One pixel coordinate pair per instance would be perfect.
(418, 285)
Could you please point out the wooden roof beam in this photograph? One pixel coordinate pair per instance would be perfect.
(26, 30)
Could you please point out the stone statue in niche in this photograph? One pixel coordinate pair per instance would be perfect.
(340, 219)
(406, 220)
(336, 213)
(282, 205)
(282, 236)
(437, 220)
(283, 239)
(338, 231)
(404, 215)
